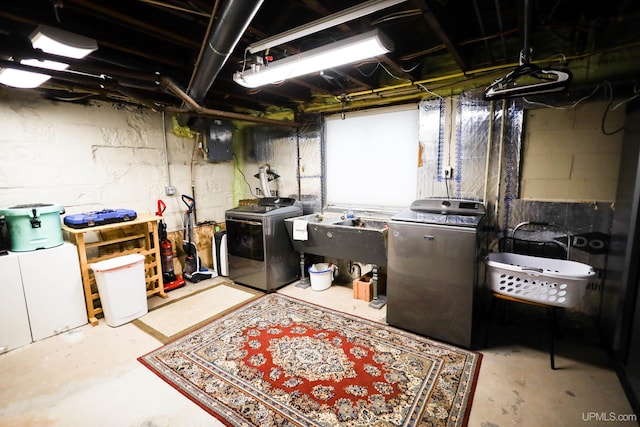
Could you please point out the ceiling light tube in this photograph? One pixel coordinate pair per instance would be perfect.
(50, 40)
(342, 52)
(328, 21)
(21, 79)
(27, 79)
(62, 43)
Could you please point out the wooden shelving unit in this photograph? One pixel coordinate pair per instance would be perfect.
(109, 241)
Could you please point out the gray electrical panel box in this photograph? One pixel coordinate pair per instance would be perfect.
(219, 140)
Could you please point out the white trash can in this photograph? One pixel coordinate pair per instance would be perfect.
(122, 287)
(321, 276)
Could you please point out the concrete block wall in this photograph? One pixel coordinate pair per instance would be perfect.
(567, 157)
(103, 156)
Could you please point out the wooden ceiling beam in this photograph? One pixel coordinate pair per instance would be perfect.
(445, 38)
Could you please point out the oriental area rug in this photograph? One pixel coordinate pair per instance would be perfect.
(279, 361)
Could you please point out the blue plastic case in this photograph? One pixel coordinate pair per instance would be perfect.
(106, 216)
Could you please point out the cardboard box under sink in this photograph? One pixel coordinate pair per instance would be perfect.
(363, 287)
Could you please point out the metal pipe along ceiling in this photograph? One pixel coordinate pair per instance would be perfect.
(235, 16)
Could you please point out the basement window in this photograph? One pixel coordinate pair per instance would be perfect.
(371, 158)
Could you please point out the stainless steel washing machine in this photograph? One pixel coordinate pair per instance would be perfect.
(260, 253)
(432, 268)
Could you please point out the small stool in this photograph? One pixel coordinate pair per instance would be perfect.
(551, 311)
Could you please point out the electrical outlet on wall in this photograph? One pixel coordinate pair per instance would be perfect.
(447, 172)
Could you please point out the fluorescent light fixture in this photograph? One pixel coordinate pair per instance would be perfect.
(63, 43)
(27, 79)
(51, 65)
(328, 21)
(54, 41)
(342, 52)
(21, 79)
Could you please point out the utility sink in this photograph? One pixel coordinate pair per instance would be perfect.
(357, 239)
(364, 223)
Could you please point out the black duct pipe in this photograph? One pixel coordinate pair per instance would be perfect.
(235, 16)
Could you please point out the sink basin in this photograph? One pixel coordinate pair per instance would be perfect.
(364, 223)
(358, 239)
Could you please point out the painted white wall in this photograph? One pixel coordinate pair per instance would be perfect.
(103, 156)
(112, 156)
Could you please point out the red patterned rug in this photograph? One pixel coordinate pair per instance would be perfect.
(280, 361)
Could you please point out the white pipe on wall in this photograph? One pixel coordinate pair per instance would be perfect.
(166, 151)
(488, 161)
(501, 145)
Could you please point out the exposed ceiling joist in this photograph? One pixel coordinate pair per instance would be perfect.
(433, 40)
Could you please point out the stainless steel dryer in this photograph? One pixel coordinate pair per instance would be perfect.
(432, 268)
(260, 253)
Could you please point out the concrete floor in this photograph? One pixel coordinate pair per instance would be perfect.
(90, 377)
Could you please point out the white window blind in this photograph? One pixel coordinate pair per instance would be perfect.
(372, 157)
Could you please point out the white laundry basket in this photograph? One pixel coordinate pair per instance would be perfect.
(122, 288)
(556, 282)
(321, 276)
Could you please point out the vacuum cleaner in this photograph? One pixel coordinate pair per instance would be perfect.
(169, 278)
(193, 270)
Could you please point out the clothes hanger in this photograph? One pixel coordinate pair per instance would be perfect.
(527, 78)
